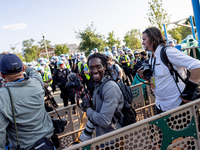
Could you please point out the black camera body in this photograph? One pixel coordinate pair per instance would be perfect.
(76, 84)
(147, 72)
(59, 124)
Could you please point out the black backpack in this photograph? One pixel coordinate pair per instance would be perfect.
(174, 72)
(127, 110)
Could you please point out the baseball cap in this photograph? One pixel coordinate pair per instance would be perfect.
(10, 63)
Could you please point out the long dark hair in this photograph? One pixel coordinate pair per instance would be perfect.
(155, 36)
(103, 61)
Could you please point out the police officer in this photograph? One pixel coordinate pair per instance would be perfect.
(60, 78)
(84, 71)
(125, 62)
(77, 60)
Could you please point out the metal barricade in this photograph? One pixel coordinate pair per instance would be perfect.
(173, 129)
(76, 123)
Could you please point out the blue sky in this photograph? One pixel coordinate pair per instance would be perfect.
(58, 19)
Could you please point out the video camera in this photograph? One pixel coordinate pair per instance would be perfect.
(146, 68)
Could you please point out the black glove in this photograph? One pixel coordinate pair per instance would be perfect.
(189, 92)
(84, 105)
(59, 85)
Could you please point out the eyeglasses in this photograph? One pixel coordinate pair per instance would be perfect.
(14, 69)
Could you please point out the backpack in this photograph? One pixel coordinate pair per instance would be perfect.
(128, 111)
(173, 72)
(124, 77)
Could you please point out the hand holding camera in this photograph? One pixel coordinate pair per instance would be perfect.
(145, 72)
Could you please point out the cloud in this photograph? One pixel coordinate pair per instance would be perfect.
(17, 26)
(64, 37)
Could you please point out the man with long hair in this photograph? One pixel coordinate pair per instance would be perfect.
(169, 93)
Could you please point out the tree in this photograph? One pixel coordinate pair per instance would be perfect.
(132, 39)
(90, 39)
(118, 43)
(175, 34)
(20, 56)
(31, 51)
(59, 49)
(157, 15)
(111, 39)
(42, 45)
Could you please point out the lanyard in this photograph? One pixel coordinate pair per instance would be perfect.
(19, 80)
(154, 63)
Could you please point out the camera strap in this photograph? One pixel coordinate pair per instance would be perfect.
(153, 63)
(14, 119)
(49, 96)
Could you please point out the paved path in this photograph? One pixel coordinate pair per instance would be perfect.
(57, 98)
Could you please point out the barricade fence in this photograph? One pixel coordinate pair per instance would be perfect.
(174, 129)
(77, 122)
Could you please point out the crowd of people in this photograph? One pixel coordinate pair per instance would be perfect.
(122, 65)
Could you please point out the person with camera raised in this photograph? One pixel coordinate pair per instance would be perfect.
(170, 91)
(22, 114)
(101, 114)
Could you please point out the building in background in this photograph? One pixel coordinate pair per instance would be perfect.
(50, 52)
(72, 48)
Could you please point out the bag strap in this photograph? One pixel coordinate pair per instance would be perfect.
(166, 61)
(13, 112)
(169, 65)
(102, 85)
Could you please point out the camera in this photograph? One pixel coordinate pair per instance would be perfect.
(87, 132)
(59, 124)
(146, 68)
(74, 81)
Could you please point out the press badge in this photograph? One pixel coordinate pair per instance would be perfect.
(153, 83)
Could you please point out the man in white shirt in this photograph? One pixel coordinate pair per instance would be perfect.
(165, 89)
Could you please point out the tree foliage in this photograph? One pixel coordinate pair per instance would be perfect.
(157, 16)
(132, 39)
(118, 43)
(175, 34)
(111, 39)
(59, 49)
(42, 45)
(180, 33)
(20, 56)
(30, 51)
(90, 39)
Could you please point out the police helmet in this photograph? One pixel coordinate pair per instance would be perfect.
(60, 62)
(106, 48)
(96, 50)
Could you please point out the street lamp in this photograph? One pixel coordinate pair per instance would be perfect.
(45, 45)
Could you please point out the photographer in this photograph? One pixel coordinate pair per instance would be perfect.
(101, 114)
(33, 122)
(168, 93)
